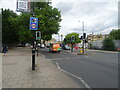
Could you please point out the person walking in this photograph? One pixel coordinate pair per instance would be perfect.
(4, 50)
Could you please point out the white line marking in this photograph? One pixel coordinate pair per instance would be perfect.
(59, 59)
(84, 83)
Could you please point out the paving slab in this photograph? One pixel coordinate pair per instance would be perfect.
(17, 71)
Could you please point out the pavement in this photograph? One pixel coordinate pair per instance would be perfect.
(17, 71)
(77, 52)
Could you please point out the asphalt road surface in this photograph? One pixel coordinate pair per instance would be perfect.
(96, 69)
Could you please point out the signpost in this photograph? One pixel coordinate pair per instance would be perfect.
(72, 39)
(24, 7)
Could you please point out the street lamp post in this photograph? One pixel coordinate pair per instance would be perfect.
(83, 36)
(58, 37)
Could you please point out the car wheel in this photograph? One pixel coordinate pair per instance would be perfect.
(58, 51)
(50, 51)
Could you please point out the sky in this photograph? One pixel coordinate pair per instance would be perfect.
(99, 16)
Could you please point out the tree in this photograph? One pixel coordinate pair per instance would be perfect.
(16, 28)
(115, 34)
(48, 22)
(49, 19)
(25, 35)
(9, 29)
(108, 44)
(68, 37)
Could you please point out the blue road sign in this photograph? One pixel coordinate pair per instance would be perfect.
(33, 23)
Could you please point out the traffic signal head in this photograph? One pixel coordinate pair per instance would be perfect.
(38, 35)
(72, 38)
(84, 35)
(81, 37)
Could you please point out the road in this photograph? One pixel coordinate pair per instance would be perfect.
(96, 69)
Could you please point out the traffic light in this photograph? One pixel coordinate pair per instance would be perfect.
(65, 40)
(38, 35)
(84, 35)
(72, 38)
(81, 37)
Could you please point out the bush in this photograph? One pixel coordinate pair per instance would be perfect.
(108, 44)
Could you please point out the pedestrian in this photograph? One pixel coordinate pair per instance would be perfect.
(4, 50)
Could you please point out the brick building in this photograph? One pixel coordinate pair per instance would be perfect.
(95, 37)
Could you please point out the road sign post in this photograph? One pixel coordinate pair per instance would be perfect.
(33, 59)
(72, 39)
(33, 26)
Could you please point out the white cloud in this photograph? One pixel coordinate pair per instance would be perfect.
(99, 16)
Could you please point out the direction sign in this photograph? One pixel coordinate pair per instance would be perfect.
(33, 23)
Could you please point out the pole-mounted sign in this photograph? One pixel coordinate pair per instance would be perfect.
(33, 23)
(23, 6)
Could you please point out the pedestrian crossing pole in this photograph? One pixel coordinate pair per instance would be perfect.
(33, 59)
(33, 26)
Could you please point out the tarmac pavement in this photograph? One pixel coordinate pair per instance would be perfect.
(88, 51)
(17, 71)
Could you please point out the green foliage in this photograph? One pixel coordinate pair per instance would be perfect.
(9, 28)
(25, 35)
(115, 34)
(108, 44)
(16, 28)
(68, 36)
(49, 20)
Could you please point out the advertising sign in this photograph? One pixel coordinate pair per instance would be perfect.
(23, 6)
(33, 23)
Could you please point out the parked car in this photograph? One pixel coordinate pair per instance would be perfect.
(54, 47)
(20, 45)
(42, 46)
(66, 47)
(38, 44)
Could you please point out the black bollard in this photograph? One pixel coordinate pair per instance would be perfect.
(33, 59)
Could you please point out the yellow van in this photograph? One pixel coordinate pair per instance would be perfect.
(54, 47)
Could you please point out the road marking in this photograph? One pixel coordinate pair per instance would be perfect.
(59, 59)
(84, 83)
(86, 56)
(67, 58)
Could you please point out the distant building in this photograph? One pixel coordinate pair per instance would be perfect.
(53, 40)
(95, 37)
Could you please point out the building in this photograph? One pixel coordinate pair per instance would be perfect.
(95, 37)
